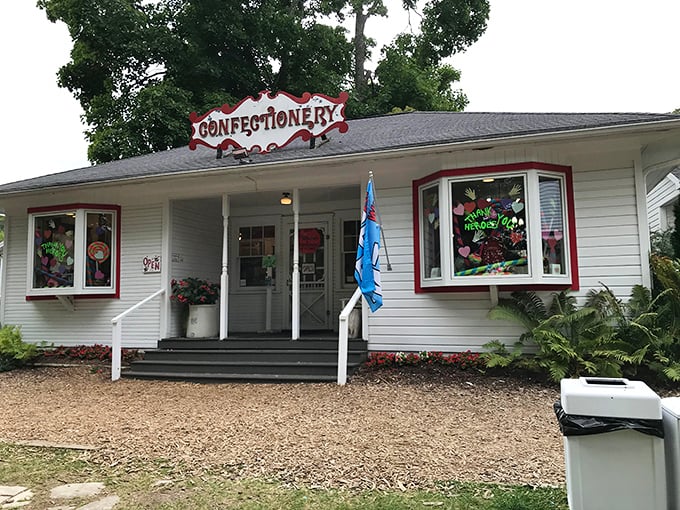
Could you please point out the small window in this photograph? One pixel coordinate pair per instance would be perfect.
(73, 251)
(256, 249)
(431, 237)
(350, 241)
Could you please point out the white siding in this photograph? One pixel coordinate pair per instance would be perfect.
(663, 194)
(196, 249)
(90, 323)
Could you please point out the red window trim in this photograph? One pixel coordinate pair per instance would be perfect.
(99, 207)
(510, 167)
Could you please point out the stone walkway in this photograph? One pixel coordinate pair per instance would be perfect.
(15, 496)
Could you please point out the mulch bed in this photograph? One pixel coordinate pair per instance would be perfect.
(399, 428)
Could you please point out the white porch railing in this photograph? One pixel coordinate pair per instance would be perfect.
(117, 334)
(343, 336)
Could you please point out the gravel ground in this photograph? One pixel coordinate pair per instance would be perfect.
(382, 430)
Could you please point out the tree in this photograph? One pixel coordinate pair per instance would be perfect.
(139, 68)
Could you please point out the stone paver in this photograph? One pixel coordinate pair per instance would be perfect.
(7, 492)
(62, 507)
(103, 504)
(76, 490)
(14, 496)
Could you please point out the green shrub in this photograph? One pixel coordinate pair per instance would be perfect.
(569, 341)
(14, 352)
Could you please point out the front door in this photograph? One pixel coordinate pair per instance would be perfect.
(314, 275)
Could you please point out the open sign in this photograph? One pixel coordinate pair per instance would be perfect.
(151, 264)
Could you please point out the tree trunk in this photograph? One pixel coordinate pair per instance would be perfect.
(360, 82)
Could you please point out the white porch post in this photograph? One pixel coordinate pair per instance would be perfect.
(296, 268)
(224, 277)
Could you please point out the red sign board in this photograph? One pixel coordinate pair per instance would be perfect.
(309, 240)
(269, 121)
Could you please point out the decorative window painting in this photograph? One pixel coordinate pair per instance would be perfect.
(98, 249)
(53, 259)
(431, 233)
(552, 225)
(489, 226)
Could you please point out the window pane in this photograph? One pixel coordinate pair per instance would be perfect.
(53, 250)
(98, 249)
(350, 241)
(552, 225)
(252, 273)
(489, 226)
(255, 244)
(429, 225)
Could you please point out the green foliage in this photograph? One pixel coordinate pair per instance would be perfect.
(675, 233)
(14, 352)
(606, 337)
(140, 68)
(661, 243)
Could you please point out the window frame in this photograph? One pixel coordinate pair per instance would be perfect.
(344, 284)
(79, 288)
(536, 279)
(235, 269)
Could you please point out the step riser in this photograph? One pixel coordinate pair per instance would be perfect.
(353, 345)
(237, 369)
(263, 357)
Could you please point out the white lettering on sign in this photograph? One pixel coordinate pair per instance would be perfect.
(151, 264)
(269, 121)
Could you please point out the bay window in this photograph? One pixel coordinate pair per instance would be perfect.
(73, 250)
(507, 225)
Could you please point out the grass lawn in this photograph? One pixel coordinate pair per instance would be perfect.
(164, 486)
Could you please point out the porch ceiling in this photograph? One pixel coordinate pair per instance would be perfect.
(310, 195)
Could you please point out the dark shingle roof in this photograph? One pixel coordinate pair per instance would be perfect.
(364, 136)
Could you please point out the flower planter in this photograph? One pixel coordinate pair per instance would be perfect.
(203, 321)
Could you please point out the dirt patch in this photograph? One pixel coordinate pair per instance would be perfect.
(396, 429)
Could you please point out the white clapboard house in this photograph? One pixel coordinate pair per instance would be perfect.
(472, 205)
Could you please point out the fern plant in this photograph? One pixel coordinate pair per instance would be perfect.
(569, 341)
(14, 352)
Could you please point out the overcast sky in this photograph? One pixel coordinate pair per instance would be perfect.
(536, 55)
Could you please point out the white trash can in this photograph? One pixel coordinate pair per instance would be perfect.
(670, 408)
(613, 444)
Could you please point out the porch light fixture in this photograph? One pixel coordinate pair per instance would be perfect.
(285, 199)
(488, 179)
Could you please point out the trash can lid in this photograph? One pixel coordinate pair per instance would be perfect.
(609, 397)
(671, 405)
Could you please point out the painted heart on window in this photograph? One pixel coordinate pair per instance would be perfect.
(68, 243)
(69, 261)
(552, 243)
(98, 275)
(505, 202)
(517, 207)
(44, 261)
(558, 235)
(47, 234)
(459, 210)
(430, 217)
(482, 203)
(464, 251)
(469, 206)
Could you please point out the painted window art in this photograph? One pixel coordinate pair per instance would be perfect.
(54, 257)
(489, 226)
(73, 250)
(503, 225)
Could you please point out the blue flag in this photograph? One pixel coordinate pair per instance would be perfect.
(367, 265)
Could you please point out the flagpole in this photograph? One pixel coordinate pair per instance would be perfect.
(377, 213)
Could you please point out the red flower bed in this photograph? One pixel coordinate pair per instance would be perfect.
(460, 360)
